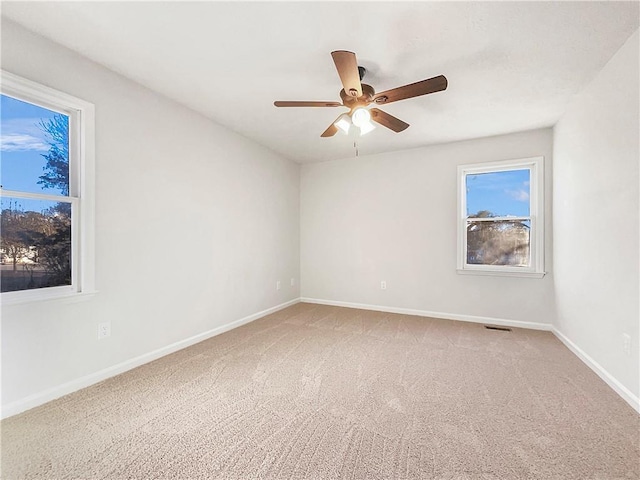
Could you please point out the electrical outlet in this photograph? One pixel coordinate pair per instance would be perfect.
(104, 330)
(626, 343)
(278, 285)
(293, 282)
(383, 285)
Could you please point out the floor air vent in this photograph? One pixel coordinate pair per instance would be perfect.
(493, 327)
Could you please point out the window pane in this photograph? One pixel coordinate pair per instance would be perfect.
(498, 243)
(35, 148)
(498, 194)
(35, 244)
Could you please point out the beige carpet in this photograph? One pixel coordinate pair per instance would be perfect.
(325, 392)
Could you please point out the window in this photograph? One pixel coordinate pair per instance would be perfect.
(501, 225)
(46, 197)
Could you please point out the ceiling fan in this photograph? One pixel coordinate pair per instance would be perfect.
(357, 96)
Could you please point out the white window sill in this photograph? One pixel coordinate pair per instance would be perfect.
(66, 298)
(498, 273)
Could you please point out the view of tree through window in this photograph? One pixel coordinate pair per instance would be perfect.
(35, 231)
(498, 218)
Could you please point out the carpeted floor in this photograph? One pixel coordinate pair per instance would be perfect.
(332, 393)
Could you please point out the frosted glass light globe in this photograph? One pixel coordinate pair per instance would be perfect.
(360, 117)
(366, 128)
(343, 123)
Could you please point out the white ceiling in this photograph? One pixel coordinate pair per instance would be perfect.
(511, 66)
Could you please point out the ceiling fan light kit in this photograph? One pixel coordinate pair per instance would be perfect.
(357, 96)
(359, 120)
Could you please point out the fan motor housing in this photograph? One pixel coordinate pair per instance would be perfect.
(365, 99)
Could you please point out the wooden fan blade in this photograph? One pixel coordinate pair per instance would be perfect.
(387, 120)
(347, 67)
(431, 85)
(331, 131)
(307, 104)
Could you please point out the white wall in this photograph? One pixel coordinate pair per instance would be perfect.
(596, 209)
(194, 225)
(393, 217)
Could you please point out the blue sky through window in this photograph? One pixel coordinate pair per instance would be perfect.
(501, 193)
(23, 144)
(28, 205)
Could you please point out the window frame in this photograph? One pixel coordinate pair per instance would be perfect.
(81, 186)
(535, 165)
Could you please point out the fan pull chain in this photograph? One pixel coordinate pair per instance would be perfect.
(355, 146)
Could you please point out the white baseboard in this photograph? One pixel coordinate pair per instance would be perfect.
(45, 396)
(424, 313)
(620, 389)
